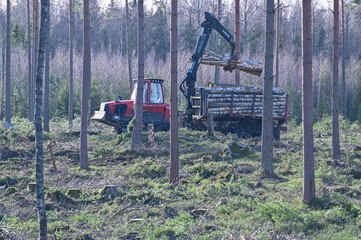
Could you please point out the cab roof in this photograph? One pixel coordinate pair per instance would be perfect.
(155, 80)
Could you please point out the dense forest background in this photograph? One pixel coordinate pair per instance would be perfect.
(109, 52)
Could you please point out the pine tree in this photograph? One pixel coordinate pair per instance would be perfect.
(308, 157)
(336, 153)
(267, 118)
(137, 131)
(86, 88)
(174, 155)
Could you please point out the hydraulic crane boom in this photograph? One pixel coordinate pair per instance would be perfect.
(187, 86)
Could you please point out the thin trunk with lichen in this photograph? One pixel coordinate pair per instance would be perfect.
(38, 123)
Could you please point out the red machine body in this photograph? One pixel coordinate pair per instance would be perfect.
(155, 111)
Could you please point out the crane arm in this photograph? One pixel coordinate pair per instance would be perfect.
(187, 86)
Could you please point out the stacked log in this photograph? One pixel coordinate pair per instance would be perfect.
(243, 101)
(252, 67)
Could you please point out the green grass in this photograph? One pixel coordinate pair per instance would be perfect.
(254, 208)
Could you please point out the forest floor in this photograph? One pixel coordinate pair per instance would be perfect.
(219, 195)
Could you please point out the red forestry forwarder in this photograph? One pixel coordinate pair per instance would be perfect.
(236, 109)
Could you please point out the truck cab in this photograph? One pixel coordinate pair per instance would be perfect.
(155, 111)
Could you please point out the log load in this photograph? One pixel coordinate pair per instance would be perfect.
(223, 100)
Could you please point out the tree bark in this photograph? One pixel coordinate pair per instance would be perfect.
(344, 103)
(308, 157)
(278, 44)
(46, 80)
(35, 56)
(336, 153)
(30, 79)
(137, 131)
(245, 31)
(267, 119)
(8, 61)
(86, 88)
(174, 155)
(71, 55)
(38, 124)
(128, 48)
(2, 81)
(218, 41)
(238, 40)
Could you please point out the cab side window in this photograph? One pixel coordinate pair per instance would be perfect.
(156, 93)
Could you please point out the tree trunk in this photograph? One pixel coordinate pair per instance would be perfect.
(344, 103)
(35, 56)
(2, 82)
(86, 88)
(336, 154)
(267, 119)
(238, 40)
(174, 157)
(128, 48)
(245, 31)
(46, 80)
(38, 126)
(308, 157)
(70, 106)
(218, 43)
(8, 60)
(137, 131)
(278, 44)
(30, 79)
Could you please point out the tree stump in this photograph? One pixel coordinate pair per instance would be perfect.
(150, 134)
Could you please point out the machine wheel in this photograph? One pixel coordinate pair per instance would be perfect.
(161, 127)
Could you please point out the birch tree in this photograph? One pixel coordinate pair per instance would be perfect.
(38, 123)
